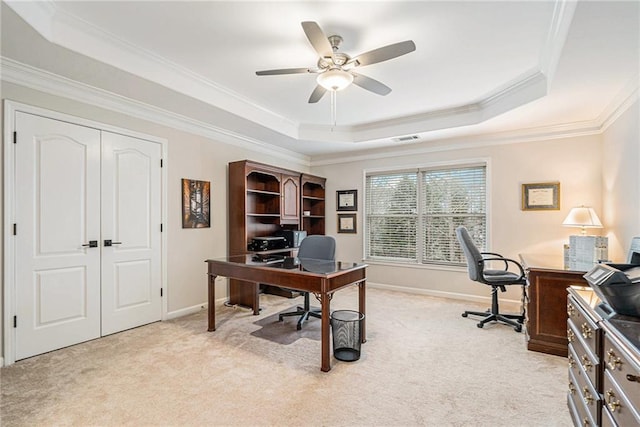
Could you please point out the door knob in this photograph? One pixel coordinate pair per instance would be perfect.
(111, 243)
(91, 244)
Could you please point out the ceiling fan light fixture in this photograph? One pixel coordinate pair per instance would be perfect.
(335, 79)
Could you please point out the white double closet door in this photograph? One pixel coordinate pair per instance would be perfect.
(76, 188)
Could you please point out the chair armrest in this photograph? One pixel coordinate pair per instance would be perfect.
(507, 262)
(506, 265)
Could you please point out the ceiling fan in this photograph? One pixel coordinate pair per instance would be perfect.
(335, 69)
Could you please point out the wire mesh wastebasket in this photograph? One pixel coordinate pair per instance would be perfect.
(347, 334)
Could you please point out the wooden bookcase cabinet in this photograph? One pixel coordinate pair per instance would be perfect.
(263, 200)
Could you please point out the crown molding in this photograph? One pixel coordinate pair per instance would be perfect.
(34, 78)
(71, 32)
(67, 30)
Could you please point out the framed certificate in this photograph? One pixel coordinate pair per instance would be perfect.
(347, 223)
(544, 196)
(347, 200)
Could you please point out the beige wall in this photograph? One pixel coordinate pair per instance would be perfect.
(621, 181)
(574, 162)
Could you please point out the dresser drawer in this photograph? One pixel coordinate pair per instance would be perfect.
(581, 410)
(623, 369)
(617, 403)
(607, 418)
(583, 356)
(583, 324)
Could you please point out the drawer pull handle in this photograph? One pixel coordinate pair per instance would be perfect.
(570, 309)
(633, 378)
(612, 402)
(572, 363)
(585, 422)
(571, 337)
(572, 388)
(586, 330)
(588, 398)
(586, 363)
(613, 361)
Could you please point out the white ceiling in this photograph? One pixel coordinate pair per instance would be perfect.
(479, 67)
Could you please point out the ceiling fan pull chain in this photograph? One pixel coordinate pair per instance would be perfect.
(333, 107)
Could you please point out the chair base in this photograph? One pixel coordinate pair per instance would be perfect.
(514, 320)
(304, 315)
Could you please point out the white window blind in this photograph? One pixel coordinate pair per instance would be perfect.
(391, 216)
(430, 204)
(452, 197)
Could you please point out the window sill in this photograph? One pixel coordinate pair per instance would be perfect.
(456, 268)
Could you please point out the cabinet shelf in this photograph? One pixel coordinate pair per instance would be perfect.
(312, 198)
(264, 215)
(263, 192)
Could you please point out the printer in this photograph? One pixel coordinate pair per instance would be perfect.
(267, 243)
(618, 285)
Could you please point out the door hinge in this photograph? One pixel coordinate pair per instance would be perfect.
(15, 137)
(15, 321)
(160, 162)
(161, 228)
(15, 229)
(160, 292)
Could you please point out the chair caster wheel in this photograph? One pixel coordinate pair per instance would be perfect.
(464, 314)
(518, 328)
(480, 325)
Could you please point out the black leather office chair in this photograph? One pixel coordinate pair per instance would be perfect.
(479, 271)
(314, 247)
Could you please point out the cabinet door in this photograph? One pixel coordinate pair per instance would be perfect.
(290, 199)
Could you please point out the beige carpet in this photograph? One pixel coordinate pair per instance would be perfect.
(423, 365)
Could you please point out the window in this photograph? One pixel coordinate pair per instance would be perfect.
(430, 203)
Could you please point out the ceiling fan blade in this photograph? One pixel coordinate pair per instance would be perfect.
(283, 71)
(317, 38)
(370, 84)
(384, 53)
(317, 94)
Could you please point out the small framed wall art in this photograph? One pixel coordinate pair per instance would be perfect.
(347, 200)
(347, 223)
(196, 204)
(542, 196)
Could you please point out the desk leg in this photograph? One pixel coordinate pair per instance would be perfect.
(324, 331)
(256, 299)
(362, 308)
(212, 303)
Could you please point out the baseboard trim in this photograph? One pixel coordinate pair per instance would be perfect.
(440, 294)
(185, 311)
(406, 289)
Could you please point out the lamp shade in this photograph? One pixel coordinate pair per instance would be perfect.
(582, 217)
(335, 79)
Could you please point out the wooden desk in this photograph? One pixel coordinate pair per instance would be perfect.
(322, 278)
(546, 324)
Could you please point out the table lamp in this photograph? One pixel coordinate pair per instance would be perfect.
(582, 217)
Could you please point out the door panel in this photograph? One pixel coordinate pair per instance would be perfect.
(131, 217)
(57, 278)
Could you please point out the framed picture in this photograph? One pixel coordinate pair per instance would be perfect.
(195, 204)
(347, 223)
(347, 200)
(543, 196)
